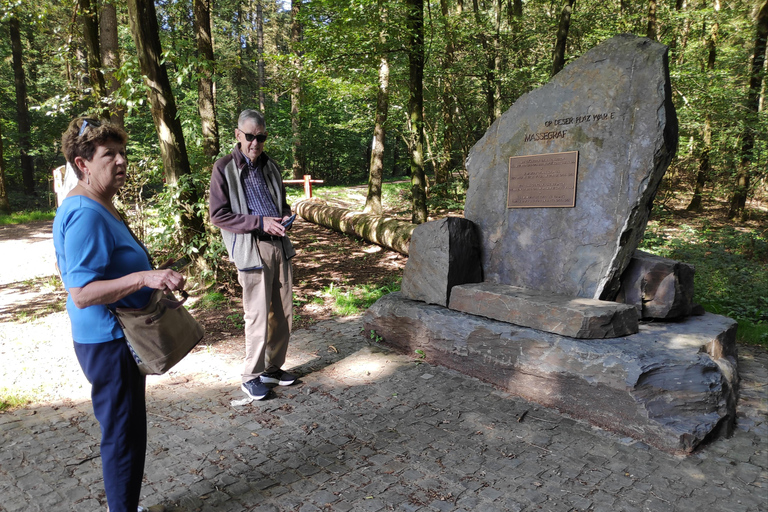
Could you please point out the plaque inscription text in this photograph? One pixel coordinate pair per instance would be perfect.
(543, 181)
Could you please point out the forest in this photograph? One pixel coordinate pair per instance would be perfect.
(354, 92)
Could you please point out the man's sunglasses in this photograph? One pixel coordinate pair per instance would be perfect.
(261, 137)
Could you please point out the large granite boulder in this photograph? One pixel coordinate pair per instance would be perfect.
(614, 106)
(443, 253)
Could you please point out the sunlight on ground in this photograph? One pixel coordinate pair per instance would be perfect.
(364, 367)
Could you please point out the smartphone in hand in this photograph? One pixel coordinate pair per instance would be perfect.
(180, 264)
(287, 222)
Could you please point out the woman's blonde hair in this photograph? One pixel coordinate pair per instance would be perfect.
(84, 135)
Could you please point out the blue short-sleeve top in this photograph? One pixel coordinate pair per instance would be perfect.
(91, 245)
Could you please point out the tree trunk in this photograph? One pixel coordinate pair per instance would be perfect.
(260, 48)
(651, 31)
(22, 111)
(206, 101)
(738, 200)
(173, 150)
(110, 57)
(562, 36)
(415, 23)
(673, 41)
(683, 38)
(376, 171)
(385, 231)
(91, 37)
(296, 149)
(490, 77)
(705, 166)
(5, 205)
(443, 165)
(497, 62)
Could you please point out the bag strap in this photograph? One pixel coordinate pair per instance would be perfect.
(125, 223)
(175, 304)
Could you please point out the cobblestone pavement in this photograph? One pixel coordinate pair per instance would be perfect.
(366, 429)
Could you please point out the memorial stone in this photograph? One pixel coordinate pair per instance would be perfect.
(613, 106)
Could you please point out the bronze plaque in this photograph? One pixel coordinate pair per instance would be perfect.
(543, 181)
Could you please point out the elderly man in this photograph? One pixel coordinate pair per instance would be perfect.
(247, 202)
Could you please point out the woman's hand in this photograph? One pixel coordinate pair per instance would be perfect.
(107, 292)
(166, 279)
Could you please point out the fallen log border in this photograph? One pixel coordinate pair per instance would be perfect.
(387, 232)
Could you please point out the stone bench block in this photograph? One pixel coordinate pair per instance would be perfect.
(567, 316)
(443, 254)
(660, 288)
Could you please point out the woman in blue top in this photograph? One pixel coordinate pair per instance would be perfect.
(102, 266)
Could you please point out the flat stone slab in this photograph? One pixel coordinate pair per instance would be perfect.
(568, 316)
(671, 385)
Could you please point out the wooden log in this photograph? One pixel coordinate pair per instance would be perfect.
(384, 231)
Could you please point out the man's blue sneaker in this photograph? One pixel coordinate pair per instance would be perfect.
(279, 377)
(255, 389)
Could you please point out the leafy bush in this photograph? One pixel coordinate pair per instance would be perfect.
(731, 277)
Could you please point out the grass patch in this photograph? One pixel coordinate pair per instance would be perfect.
(212, 301)
(731, 276)
(10, 400)
(394, 195)
(26, 216)
(353, 300)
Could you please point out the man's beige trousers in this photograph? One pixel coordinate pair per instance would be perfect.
(268, 307)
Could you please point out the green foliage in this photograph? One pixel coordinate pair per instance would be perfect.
(353, 300)
(25, 216)
(731, 271)
(12, 399)
(212, 301)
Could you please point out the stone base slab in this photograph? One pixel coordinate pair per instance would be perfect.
(568, 316)
(671, 385)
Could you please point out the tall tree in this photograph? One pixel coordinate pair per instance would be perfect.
(5, 205)
(490, 62)
(443, 164)
(22, 109)
(297, 149)
(91, 35)
(260, 50)
(376, 168)
(110, 57)
(738, 199)
(173, 150)
(497, 59)
(415, 24)
(206, 101)
(705, 165)
(562, 36)
(651, 30)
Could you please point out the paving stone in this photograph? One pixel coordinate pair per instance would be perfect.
(388, 455)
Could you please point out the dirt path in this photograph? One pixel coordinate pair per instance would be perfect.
(37, 361)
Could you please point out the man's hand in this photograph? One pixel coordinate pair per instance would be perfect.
(273, 226)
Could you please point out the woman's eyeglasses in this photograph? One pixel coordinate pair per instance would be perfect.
(86, 123)
(261, 137)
